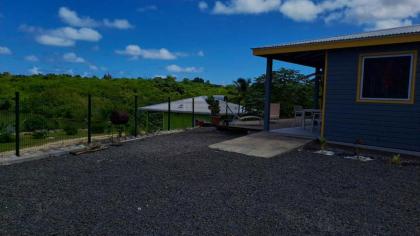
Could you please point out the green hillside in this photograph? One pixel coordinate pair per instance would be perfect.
(66, 96)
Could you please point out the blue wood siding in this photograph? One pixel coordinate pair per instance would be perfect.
(383, 125)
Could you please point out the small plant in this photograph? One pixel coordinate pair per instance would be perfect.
(396, 160)
(98, 127)
(322, 143)
(214, 110)
(70, 130)
(133, 131)
(119, 119)
(6, 133)
(36, 122)
(213, 106)
(40, 134)
(357, 143)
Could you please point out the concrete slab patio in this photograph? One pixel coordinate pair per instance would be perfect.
(262, 144)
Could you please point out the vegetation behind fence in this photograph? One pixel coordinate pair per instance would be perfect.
(24, 124)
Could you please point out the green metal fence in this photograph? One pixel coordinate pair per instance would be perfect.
(31, 124)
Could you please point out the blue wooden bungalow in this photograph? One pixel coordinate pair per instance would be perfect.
(367, 86)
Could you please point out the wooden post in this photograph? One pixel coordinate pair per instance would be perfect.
(267, 93)
(193, 113)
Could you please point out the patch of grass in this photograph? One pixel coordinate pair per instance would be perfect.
(396, 160)
(27, 139)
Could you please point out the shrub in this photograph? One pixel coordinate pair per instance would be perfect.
(6, 134)
(5, 105)
(132, 130)
(36, 122)
(119, 117)
(213, 105)
(98, 127)
(70, 130)
(40, 134)
(5, 137)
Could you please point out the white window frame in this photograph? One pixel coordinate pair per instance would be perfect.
(411, 84)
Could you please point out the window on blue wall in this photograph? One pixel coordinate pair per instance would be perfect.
(386, 77)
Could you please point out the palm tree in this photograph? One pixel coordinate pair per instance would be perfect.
(242, 86)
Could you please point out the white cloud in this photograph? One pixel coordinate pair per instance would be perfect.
(72, 18)
(31, 58)
(300, 10)
(134, 51)
(370, 14)
(391, 23)
(202, 5)
(67, 36)
(84, 34)
(73, 58)
(54, 41)
(30, 28)
(118, 24)
(69, 71)
(5, 51)
(200, 53)
(375, 14)
(147, 8)
(93, 67)
(179, 69)
(246, 6)
(35, 71)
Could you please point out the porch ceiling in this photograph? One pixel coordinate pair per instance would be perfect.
(312, 58)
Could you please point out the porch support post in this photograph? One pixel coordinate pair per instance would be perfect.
(267, 99)
(316, 88)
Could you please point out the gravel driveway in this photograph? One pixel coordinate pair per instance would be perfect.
(175, 184)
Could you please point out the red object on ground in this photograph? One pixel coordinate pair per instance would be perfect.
(215, 120)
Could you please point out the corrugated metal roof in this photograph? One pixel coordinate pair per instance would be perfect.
(200, 106)
(406, 30)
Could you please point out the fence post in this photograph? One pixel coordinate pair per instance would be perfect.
(193, 113)
(239, 108)
(169, 113)
(17, 123)
(135, 115)
(89, 124)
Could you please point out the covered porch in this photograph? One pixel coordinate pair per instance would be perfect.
(312, 122)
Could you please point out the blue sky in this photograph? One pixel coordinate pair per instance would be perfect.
(184, 38)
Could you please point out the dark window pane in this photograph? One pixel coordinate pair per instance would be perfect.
(386, 77)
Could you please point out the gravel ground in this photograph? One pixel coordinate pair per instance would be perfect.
(175, 184)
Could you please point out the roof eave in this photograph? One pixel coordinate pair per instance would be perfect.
(320, 46)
